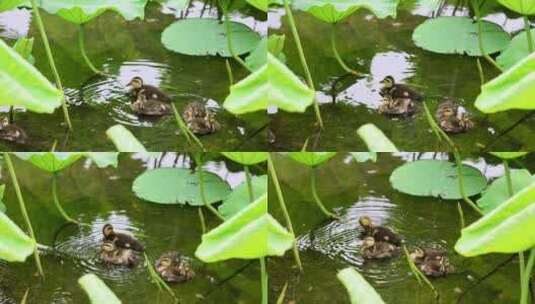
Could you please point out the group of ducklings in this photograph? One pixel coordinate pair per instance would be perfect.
(383, 243)
(122, 249)
(401, 100)
(151, 101)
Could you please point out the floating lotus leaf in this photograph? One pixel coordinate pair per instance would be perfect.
(82, 11)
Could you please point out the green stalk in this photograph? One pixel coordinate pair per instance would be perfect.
(461, 215)
(229, 73)
(528, 33)
(56, 200)
(155, 277)
(185, 130)
(508, 177)
(316, 196)
(480, 70)
(200, 171)
(264, 280)
(48, 50)
(527, 277)
(302, 57)
(81, 43)
(282, 295)
(480, 38)
(420, 277)
(337, 54)
(201, 217)
(23, 210)
(523, 290)
(229, 38)
(249, 183)
(280, 197)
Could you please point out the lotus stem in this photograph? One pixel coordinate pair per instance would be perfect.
(249, 183)
(200, 171)
(264, 280)
(522, 272)
(282, 203)
(461, 182)
(201, 217)
(56, 200)
(461, 215)
(48, 50)
(282, 295)
(81, 43)
(480, 70)
(527, 277)
(229, 73)
(337, 54)
(229, 38)
(480, 38)
(419, 275)
(528, 33)
(508, 177)
(316, 196)
(302, 57)
(155, 277)
(23, 210)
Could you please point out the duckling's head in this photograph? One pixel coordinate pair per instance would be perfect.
(4, 122)
(418, 253)
(165, 261)
(107, 230)
(108, 246)
(365, 222)
(388, 82)
(368, 242)
(136, 83)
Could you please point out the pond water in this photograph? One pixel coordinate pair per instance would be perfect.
(126, 49)
(380, 48)
(354, 189)
(97, 196)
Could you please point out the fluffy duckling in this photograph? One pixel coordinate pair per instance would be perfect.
(398, 106)
(432, 262)
(453, 118)
(12, 132)
(379, 233)
(121, 240)
(398, 91)
(378, 250)
(152, 92)
(199, 119)
(111, 254)
(174, 268)
(150, 107)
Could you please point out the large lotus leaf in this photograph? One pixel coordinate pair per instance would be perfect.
(179, 186)
(333, 11)
(15, 245)
(97, 290)
(24, 46)
(124, 140)
(506, 229)
(311, 159)
(6, 5)
(508, 155)
(524, 7)
(203, 36)
(498, 191)
(247, 158)
(360, 291)
(463, 33)
(272, 85)
(82, 11)
(375, 139)
(513, 89)
(50, 161)
(259, 4)
(437, 178)
(250, 234)
(239, 198)
(516, 51)
(23, 85)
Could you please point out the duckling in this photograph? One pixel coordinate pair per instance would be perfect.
(379, 233)
(111, 254)
(397, 91)
(11, 132)
(150, 107)
(174, 268)
(121, 240)
(378, 250)
(432, 262)
(398, 106)
(453, 118)
(199, 119)
(152, 92)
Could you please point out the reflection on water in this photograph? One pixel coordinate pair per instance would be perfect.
(15, 24)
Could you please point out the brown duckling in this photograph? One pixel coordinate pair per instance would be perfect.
(398, 91)
(152, 92)
(150, 107)
(199, 119)
(398, 106)
(432, 262)
(453, 118)
(11, 132)
(378, 250)
(121, 240)
(379, 233)
(174, 268)
(111, 254)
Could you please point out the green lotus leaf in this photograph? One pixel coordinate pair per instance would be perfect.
(24, 46)
(97, 290)
(50, 161)
(15, 245)
(375, 139)
(498, 191)
(259, 4)
(311, 159)
(509, 155)
(124, 140)
(239, 197)
(524, 7)
(360, 291)
(247, 158)
(517, 50)
(6, 5)
(333, 11)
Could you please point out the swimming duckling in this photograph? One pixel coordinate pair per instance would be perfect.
(121, 240)
(150, 107)
(432, 262)
(453, 118)
(379, 233)
(152, 92)
(11, 132)
(199, 119)
(111, 254)
(398, 91)
(174, 268)
(378, 250)
(398, 106)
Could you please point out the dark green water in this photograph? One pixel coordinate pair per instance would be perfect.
(354, 189)
(126, 49)
(380, 48)
(97, 196)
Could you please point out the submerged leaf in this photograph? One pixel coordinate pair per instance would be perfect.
(239, 198)
(360, 291)
(97, 291)
(15, 245)
(498, 191)
(311, 159)
(124, 140)
(333, 11)
(82, 11)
